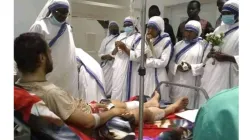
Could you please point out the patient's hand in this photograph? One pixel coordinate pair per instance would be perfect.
(101, 107)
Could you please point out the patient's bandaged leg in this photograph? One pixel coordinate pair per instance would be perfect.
(158, 114)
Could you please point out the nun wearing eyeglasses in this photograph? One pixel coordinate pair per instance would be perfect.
(124, 45)
(161, 49)
(52, 23)
(186, 65)
(107, 46)
(221, 68)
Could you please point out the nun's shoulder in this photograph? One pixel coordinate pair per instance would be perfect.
(205, 44)
(121, 36)
(41, 23)
(221, 29)
(179, 43)
(38, 26)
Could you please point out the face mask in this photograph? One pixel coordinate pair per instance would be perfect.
(228, 19)
(55, 22)
(128, 30)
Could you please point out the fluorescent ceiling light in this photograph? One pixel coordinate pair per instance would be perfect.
(100, 4)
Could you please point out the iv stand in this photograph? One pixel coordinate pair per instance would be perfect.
(142, 70)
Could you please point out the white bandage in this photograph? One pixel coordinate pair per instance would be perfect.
(132, 105)
(97, 120)
(110, 106)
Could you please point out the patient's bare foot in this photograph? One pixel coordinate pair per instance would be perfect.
(154, 101)
(179, 104)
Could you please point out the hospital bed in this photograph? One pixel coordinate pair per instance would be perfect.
(21, 130)
(151, 131)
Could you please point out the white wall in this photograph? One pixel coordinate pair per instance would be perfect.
(88, 34)
(176, 2)
(25, 13)
(176, 13)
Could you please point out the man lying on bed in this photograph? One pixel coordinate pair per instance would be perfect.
(33, 57)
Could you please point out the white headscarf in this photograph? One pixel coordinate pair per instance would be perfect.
(130, 19)
(51, 4)
(133, 21)
(232, 6)
(194, 26)
(158, 22)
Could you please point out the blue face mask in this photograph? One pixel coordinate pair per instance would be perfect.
(228, 19)
(129, 29)
(55, 22)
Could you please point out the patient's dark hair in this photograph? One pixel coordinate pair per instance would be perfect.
(27, 48)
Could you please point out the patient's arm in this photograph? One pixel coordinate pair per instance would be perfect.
(67, 108)
(83, 120)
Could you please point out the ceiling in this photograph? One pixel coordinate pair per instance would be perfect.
(99, 9)
(106, 9)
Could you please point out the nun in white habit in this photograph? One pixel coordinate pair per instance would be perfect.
(186, 65)
(133, 77)
(52, 23)
(121, 67)
(107, 46)
(134, 65)
(224, 73)
(91, 80)
(162, 50)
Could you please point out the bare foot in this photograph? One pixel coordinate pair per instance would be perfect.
(154, 101)
(179, 104)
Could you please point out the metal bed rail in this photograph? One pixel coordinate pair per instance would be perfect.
(25, 133)
(203, 91)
